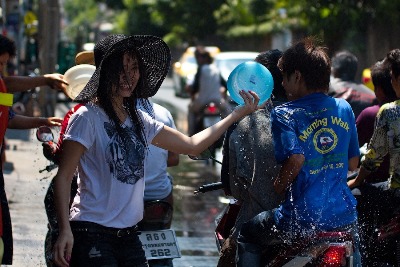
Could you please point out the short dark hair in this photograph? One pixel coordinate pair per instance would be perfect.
(344, 65)
(311, 60)
(7, 46)
(201, 51)
(270, 60)
(380, 74)
(393, 58)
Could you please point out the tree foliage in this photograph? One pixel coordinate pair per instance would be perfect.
(79, 13)
(337, 22)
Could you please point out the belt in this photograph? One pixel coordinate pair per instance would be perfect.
(90, 227)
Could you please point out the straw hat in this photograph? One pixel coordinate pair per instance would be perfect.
(154, 56)
(84, 57)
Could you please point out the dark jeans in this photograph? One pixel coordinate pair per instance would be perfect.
(263, 231)
(100, 249)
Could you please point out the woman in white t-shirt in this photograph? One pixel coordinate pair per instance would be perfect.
(107, 139)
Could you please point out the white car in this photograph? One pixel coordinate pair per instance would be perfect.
(228, 61)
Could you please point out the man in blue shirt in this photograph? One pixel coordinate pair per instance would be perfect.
(315, 140)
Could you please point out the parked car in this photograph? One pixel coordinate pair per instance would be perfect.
(185, 69)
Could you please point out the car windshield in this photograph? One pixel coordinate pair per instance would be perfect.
(226, 66)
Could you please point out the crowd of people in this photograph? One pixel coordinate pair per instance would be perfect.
(285, 160)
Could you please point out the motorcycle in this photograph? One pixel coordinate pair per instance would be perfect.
(209, 115)
(379, 229)
(159, 242)
(321, 249)
(379, 222)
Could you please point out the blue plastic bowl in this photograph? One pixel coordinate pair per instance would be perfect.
(252, 76)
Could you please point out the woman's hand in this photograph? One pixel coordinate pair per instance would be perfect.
(251, 100)
(62, 249)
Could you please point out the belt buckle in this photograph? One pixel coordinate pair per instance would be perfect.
(123, 232)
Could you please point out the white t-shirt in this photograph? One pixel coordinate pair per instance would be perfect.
(210, 84)
(157, 180)
(111, 171)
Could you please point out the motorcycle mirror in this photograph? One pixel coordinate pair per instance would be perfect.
(44, 134)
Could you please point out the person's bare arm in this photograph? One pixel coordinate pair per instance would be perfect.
(353, 163)
(72, 152)
(175, 141)
(25, 122)
(288, 172)
(24, 83)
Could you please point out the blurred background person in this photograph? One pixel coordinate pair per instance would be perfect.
(208, 86)
(11, 84)
(369, 198)
(343, 84)
(381, 79)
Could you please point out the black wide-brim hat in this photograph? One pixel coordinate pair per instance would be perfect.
(154, 55)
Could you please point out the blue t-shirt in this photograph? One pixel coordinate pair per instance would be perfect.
(323, 129)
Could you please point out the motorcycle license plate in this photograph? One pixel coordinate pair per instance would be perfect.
(160, 244)
(209, 121)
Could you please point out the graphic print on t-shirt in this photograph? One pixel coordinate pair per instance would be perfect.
(126, 154)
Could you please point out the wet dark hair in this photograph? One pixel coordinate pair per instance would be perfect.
(344, 65)
(380, 74)
(270, 60)
(311, 60)
(110, 77)
(393, 58)
(7, 46)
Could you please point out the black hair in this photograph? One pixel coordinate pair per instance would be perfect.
(270, 60)
(112, 67)
(380, 74)
(344, 65)
(311, 60)
(7, 46)
(393, 58)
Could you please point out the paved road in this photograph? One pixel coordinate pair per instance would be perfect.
(26, 187)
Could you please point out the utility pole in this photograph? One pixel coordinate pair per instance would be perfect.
(49, 27)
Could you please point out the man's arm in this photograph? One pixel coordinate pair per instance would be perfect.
(23, 83)
(173, 159)
(25, 122)
(288, 172)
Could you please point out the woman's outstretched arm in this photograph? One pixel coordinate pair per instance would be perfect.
(173, 140)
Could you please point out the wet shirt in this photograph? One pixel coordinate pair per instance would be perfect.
(111, 170)
(385, 139)
(323, 129)
(252, 166)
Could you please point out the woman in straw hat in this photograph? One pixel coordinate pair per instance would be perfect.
(107, 139)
